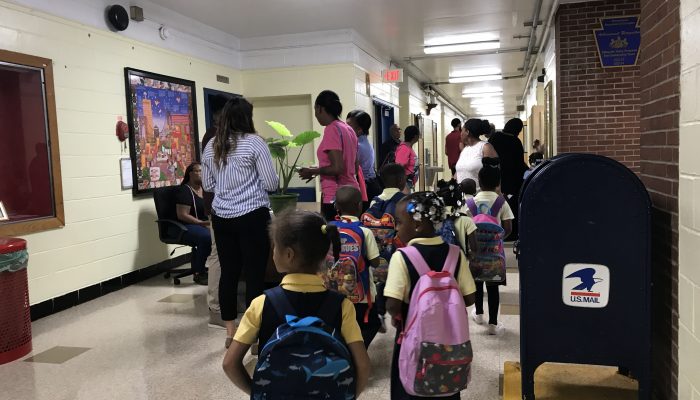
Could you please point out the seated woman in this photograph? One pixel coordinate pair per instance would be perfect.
(189, 202)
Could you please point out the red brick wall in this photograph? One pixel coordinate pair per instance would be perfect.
(660, 94)
(598, 107)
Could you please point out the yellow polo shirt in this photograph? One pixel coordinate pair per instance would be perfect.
(249, 327)
(398, 282)
(387, 194)
(464, 226)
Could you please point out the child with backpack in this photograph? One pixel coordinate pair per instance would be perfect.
(380, 218)
(468, 189)
(493, 218)
(457, 228)
(432, 355)
(351, 268)
(311, 345)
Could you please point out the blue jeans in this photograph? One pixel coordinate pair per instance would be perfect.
(199, 238)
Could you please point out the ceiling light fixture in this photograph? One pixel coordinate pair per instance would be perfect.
(462, 38)
(496, 109)
(482, 95)
(490, 112)
(462, 47)
(486, 101)
(476, 72)
(482, 90)
(480, 78)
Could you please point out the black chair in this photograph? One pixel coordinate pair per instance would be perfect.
(170, 230)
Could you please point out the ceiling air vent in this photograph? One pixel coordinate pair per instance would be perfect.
(222, 79)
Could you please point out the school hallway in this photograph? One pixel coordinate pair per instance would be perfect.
(151, 341)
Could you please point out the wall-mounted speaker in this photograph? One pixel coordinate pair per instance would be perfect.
(117, 17)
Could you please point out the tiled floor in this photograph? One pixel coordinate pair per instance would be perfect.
(151, 341)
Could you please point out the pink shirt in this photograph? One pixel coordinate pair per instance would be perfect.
(406, 157)
(337, 136)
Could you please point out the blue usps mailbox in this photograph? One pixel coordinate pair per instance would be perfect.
(584, 263)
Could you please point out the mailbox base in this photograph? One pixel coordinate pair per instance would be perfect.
(571, 382)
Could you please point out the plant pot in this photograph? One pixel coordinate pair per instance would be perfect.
(279, 202)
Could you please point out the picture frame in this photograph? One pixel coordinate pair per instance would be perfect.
(3, 213)
(164, 136)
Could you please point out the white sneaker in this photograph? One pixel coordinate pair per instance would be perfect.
(478, 318)
(495, 329)
(215, 320)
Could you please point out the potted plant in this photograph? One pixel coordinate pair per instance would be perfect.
(279, 148)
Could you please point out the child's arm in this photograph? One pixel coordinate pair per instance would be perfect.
(470, 299)
(233, 366)
(395, 288)
(393, 307)
(508, 227)
(362, 365)
(473, 245)
(466, 282)
(371, 248)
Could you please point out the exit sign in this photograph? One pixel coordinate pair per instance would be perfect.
(392, 75)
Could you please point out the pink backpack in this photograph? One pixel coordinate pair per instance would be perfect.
(436, 354)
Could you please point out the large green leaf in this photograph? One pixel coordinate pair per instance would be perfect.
(280, 128)
(305, 138)
(279, 142)
(276, 150)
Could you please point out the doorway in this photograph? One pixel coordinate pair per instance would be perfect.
(212, 100)
(384, 116)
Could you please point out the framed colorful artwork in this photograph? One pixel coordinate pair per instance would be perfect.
(163, 139)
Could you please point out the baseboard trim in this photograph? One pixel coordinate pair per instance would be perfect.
(80, 296)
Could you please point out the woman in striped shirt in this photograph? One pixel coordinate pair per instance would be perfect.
(238, 168)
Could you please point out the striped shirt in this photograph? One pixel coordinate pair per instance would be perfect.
(241, 185)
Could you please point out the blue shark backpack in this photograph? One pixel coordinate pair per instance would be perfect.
(306, 358)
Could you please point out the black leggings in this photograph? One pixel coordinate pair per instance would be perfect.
(493, 299)
(374, 189)
(370, 328)
(242, 242)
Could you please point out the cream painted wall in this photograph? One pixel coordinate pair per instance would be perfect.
(108, 233)
(296, 112)
(302, 81)
(383, 91)
(689, 207)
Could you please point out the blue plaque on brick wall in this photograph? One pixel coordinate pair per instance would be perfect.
(618, 41)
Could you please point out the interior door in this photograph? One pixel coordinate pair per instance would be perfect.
(384, 119)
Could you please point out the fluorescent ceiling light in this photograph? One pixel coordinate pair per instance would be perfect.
(479, 78)
(462, 47)
(490, 110)
(487, 105)
(476, 72)
(462, 38)
(486, 100)
(482, 90)
(483, 96)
